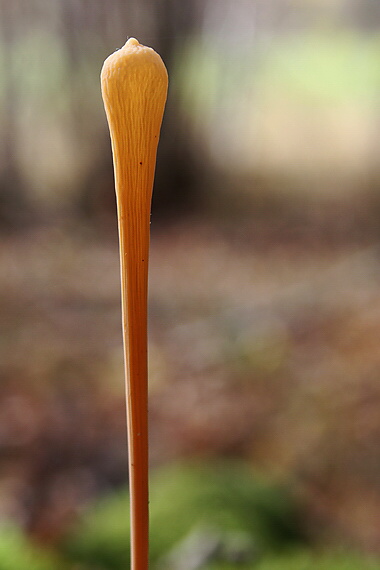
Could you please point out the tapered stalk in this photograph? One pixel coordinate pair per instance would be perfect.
(134, 251)
(134, 177)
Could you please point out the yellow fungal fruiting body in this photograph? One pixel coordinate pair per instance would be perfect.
(134, 84)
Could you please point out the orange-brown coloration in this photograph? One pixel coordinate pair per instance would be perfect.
(134, 86)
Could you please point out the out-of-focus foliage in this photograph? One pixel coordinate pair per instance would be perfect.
(300, 105)
(219, 510)
(304, 560)
(308, 561)
(215, 516)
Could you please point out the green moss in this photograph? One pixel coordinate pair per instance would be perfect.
(18, 553)
(308, 561)
(221, 496)
(223, 499)
(102, 539)
(221, 509)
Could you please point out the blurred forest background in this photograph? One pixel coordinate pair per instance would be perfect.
(264, 282)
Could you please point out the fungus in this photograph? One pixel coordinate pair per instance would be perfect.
(134, 86)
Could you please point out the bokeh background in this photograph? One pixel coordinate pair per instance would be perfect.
(264, 276)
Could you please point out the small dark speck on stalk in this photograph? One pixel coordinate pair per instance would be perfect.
(140, 162)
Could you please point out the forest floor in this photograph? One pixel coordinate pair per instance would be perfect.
(263, 344)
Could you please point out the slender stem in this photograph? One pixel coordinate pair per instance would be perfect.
(133, 201)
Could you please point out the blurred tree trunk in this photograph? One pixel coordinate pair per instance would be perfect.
(164, 25)
(13, 202)
(364, 14)
(179, 166)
